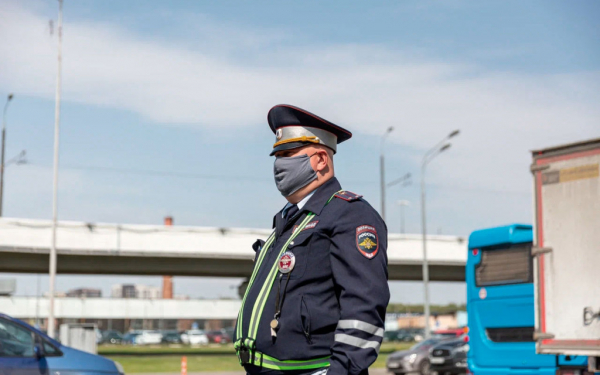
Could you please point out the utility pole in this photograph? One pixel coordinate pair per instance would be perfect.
(51, 326)
(382, 170)
(442, 146)
(9, 98)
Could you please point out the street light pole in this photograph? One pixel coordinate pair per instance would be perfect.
(402, 204)
(9, 98)
(438, 149)
(382, 170)
(51, 326)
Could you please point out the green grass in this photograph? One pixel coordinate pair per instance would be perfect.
(139, 359)
(137, 364)
(107, 350)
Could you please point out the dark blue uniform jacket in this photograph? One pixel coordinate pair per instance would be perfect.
(337, 294)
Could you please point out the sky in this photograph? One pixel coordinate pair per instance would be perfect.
(164, 109)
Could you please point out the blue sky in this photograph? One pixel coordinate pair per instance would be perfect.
(165, 103)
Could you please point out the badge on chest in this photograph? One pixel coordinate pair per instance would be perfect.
(286, 263)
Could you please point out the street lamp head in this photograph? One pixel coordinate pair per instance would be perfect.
(454, 133)
(445, 147)
(10, 96)
(390, 129)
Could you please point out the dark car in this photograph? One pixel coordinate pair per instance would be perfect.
(171, 337)
(111, 337)
(402, 335)
(449, 357)
(130, 338)
(218, 337)
(416, 359)
(390, 336)
(451, 333)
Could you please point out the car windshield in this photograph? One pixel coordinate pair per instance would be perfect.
(425, 344)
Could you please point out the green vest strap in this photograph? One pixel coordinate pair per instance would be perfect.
(261, 256)
(247, 344)
(262, 360)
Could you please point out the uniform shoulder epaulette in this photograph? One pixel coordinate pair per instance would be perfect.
(348, 196)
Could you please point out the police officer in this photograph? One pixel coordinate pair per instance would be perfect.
(317, 296)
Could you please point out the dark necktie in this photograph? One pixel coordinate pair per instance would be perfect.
(291, 212)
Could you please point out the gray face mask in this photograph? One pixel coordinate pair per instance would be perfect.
(293, 173)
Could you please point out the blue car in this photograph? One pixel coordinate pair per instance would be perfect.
(26, 351)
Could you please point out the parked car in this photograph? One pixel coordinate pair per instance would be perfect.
(130, 338)
(417, 333)
(402, 335)
(230, 331)
(453, 333)
(111, 337)
(390, 335)
(194, 337)
(149, 337)
(449, 357)
(26, 350)
(218, 337)
(416, 359)
(171, 337)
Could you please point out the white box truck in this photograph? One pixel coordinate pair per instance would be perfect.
(567, 250)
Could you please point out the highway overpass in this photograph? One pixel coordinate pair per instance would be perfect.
(120, 308)
(123, 249)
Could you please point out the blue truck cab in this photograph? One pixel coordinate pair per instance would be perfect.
(25, 350)
(500, 306)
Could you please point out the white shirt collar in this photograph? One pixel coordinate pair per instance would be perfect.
(299, 204)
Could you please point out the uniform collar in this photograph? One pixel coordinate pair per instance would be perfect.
(317, 199)
(321, 196)
(299, 204)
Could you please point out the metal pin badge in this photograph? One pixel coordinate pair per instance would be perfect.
(286, 262)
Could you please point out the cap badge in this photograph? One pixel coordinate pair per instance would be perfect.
(279, 134)
(286, 262)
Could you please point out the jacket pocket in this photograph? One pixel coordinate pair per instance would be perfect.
(300, 247)
(306, 319)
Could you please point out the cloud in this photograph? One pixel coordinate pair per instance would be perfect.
(502, 115)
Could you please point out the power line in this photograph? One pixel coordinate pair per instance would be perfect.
(231, 177)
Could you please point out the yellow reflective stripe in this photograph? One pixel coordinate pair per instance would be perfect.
(269, 362)
(259, 305)
(261, 256)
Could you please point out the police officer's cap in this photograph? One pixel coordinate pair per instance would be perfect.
(295, 127)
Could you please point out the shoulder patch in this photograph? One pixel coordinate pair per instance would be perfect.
(367, 241)
(348, 196)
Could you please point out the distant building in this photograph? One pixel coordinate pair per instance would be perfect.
(135, 291)
(56, 294)
(85, 293)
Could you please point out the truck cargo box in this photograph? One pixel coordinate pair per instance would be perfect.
(567, 248)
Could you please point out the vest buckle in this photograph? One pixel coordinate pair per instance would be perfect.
(244, 355)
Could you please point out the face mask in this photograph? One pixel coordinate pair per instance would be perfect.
(293, 173)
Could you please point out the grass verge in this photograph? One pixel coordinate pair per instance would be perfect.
(139, 359)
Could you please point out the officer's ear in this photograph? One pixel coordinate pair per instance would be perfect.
(322, 160)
